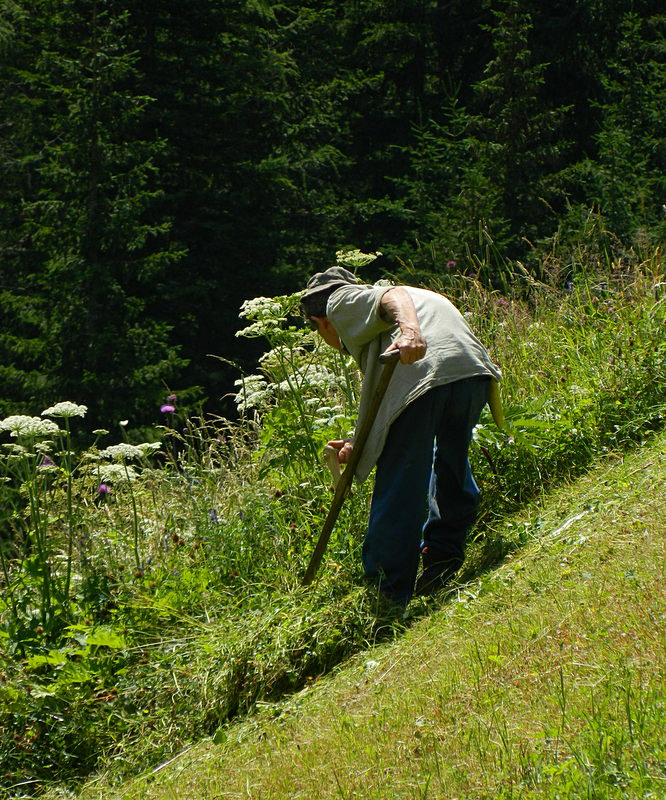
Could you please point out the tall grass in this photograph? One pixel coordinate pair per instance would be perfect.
(152, 591)
(542, 678)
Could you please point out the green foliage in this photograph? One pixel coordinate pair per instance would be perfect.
(632, 150)
(304, 395)
(89, 242)
(137, 617)
(543, 676)
(160, 168)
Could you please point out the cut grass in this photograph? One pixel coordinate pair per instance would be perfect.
(542, 678)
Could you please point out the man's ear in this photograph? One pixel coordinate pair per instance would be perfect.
(327, 331)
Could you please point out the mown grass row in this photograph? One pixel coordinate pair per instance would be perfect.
(137, 620)
(542, 678)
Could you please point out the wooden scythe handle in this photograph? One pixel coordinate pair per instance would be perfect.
(389, 359)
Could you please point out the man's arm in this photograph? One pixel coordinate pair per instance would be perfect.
(397, 306)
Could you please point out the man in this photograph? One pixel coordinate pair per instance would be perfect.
(435, 397)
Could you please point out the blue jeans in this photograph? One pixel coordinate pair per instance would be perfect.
(411, 485)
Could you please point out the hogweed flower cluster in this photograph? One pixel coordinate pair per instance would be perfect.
(355, 258)
(37, 450)
(328, 416)
(267, 315)
(124, 450)
(317, 377)
(255, 392)
(116, 474)
(20, 425)
(304, 389)
(65, 409)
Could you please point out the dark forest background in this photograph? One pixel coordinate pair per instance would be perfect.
(163, 161)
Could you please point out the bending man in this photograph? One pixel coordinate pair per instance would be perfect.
(424, 501)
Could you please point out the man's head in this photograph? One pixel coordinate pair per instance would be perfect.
(313, 303)
(320, 287)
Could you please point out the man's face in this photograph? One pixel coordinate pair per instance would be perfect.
(327, 332)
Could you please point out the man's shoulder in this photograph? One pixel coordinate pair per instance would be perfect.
(353, 293)
(427, 295)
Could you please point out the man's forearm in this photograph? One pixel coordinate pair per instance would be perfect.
(397, 306)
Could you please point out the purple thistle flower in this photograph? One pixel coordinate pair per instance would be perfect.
(104, 488)
(46, 463)
(167, 409)
(450, 264)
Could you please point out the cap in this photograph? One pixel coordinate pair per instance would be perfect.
(330, 277)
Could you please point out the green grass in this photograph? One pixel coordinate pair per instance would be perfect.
(542, 678)
(135, 623)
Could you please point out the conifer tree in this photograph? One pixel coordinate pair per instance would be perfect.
(219, 76)
(630, 169)
(92, 249)
(518, 130)
(21, 346)
(482, 162)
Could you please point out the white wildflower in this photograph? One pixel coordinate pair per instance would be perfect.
(261, 308)
(254, 392)
(311, 376)
(268, 314)
(65, 409)
(14, 449)
(100, 432)
(327, 416)
(119, 452)
(282, 354)
(148, 447)
(259, 328)
(44, 447)
(355, 258)
(20, 425)
(116, 473)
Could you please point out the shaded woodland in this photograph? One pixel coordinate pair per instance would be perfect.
(162, 162)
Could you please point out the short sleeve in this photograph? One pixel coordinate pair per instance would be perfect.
(354, 312)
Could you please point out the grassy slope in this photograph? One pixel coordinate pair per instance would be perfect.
(544, 678)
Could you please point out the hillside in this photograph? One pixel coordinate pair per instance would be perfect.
(541, 678)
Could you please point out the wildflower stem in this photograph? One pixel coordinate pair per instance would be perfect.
(135, 522)
(70, 532)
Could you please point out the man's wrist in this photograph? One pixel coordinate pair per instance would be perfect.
(409, 331)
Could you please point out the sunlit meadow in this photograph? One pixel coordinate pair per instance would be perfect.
(151, 590)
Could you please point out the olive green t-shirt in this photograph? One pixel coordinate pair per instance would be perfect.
(453, 353)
